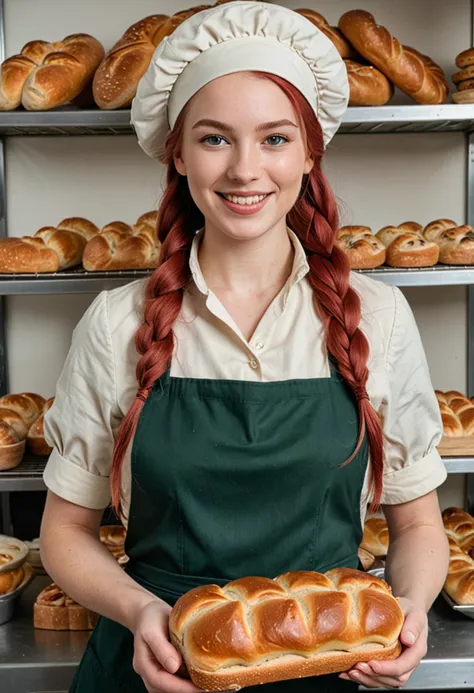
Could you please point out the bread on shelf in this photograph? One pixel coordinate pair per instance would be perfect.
(51, 249)
(113, 537)
(376, 537)
(18, 412)
(119, 246)
(415, 74)
(54, 610)
(459, 527)
(406, 247)
(362, 248)
(368, 86)
(333, 33)
(47, 75)
(35, 440)
(116, 80)
(457, 413)
(287, 627)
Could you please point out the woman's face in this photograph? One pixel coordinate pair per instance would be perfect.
(244, 155)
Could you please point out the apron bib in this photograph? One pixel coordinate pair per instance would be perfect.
(234, 478)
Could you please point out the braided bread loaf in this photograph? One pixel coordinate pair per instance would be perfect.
(35, 440)
(457, 413)
(47, 75)
(51, 248)
(116, 80)
(459, 584)
(17, 414)
(119, 246)
(376, 538)
(255, 630)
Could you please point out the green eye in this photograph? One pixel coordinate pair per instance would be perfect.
(276, 140)
(214, 140)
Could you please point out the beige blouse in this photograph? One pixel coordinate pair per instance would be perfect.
(98, 383)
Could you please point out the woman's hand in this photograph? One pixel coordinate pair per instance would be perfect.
(155, 659)
(395, 673)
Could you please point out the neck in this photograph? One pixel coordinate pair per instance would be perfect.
(246, 267)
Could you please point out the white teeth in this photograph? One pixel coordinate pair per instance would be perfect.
(237, 200)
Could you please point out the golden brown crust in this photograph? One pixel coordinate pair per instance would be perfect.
(362, 248)
(279, 629)
(457, 246)
(54, 610)
(415, 74)
(459, 527)
(434, 229)
(10, 580)
(465, 58)
(116, 80)
(376, 537)
(343, 46)
(35, 439)
(368, 85)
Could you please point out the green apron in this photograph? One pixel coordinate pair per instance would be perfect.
(233, 478)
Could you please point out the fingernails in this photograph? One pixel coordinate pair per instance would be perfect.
(344, 676)
(410, 638)
(364, 667)
(171, 665)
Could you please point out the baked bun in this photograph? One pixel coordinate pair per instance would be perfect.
(368, 86)
(116, 80)
(54, 610)
(10, 580)
(362, 248)
(456, 246)
(434, 229)
(35, 439)
(459, 525)
(406, 247)
(255, 630)
(415, 74)
(333, 33)
(376, 537)
(465, 58)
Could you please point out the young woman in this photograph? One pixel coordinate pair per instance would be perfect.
(234, 399)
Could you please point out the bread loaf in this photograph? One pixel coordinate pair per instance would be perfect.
(119, 246)
(35, 439)
(51, 249)
(47, 75)
(116, 80)
(406, 247)
(173, 22)
(376, 537)
(18, 412)
(54, 610)
(456, 246)
(434, 229)
(413, 73)
(368, 86)
(457, 413)
(362, 248)
(459, 525)
(343, 46)
(300, 624)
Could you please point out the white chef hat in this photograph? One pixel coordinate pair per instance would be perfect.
(236, 37)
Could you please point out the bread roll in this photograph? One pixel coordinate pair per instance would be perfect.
(463, 75)
(54, 610)
(35, 439)
(434, 229)
(116, 80)
(10, 580)
(51, 249)
(413, 73)
(376, 537)
(368, 86)
(459, 583)
(300, 624)
(59, 74)
(362, 248)
(465, 58)
(406, 247)
(459, 525)
(343, 46)
(120, 246)
(456, 246)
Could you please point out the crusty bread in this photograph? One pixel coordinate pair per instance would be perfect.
(415, 74)
(368, 85)
(465, 58)
(333, 33)
(406, 247)
(300, 624)
(18, 412)
(51, 249)
(119, 246)
(54, 610)
(362, 248)
(376, 537)
(47, 75)
(35, 439)
(116, 80)
(434, 229)
(457, 413)
(456, 246)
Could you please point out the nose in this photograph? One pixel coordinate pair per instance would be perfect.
(245, 164)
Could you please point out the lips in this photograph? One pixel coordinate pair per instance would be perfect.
(248, 203)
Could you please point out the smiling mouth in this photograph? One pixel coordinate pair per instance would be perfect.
(244, 200)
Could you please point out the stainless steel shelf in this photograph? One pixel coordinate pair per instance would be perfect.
(28, 476)
(382, 119)
(459, 465)
(78, 281)
(41, 661)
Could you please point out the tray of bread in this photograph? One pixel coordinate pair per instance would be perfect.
(13, 553)
(457, 413)
(458, 590)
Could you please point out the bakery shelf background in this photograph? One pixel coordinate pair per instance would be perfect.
(380, 180)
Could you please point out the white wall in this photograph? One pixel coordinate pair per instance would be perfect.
(380, 179)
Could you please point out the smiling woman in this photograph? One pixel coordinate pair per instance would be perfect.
(251, 398)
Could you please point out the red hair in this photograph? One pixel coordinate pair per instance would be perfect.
(314, 219)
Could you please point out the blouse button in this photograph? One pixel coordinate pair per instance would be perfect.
(253, 364)
(259, 346)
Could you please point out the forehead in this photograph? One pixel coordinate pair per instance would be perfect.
(241, 96)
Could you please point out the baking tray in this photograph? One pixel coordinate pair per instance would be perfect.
(466, 610)
(8, 601)
(15, 548)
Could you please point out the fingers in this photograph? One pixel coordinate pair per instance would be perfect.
(407, 661)
(154, 676)
(376, 682)
(414, 625)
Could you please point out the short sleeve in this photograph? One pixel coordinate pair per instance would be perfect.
(81, 423)
(410, 414)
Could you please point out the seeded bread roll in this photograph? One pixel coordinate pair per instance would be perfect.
(255, 630)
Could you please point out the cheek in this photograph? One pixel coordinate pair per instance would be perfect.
(287, 171)
(203, 170)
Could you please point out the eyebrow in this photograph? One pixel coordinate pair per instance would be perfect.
(272, 125)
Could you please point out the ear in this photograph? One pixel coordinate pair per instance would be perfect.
(308, 165)
(180, 165)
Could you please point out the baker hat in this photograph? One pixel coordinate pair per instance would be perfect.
(235, 37)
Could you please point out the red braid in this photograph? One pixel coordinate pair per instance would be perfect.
(178, 220)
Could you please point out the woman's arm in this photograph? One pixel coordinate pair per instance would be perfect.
(76, 559)
(418, 555)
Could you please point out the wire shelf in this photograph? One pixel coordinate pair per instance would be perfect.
(28, 476)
